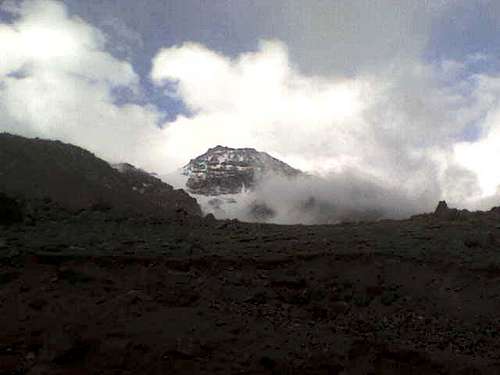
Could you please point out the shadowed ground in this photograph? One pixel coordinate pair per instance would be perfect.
(96, 292)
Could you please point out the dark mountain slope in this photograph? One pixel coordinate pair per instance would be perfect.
(77, 179)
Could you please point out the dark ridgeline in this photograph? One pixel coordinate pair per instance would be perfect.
(76, 179)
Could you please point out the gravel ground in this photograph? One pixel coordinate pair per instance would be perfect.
(99, 293)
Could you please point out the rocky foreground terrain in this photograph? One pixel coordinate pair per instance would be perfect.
(99, 292)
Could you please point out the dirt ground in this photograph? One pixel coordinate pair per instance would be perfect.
(97, 293)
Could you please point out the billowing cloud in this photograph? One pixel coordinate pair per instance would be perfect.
(258, 99)
(481, 155)
(57, 81)
(398, 126)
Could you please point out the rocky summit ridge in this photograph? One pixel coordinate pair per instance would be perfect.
(225, 170)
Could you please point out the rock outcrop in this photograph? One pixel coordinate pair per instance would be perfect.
(443, 212)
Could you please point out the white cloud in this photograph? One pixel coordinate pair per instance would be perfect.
(258, 100)
(397, 126)
(482, 155)
(403, 126)
(56, 81)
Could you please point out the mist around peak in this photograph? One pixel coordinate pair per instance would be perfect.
(308, 199)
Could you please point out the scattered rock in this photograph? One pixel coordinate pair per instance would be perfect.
(38, 304)
(113, 351)
(184, 348)
(267, 362)
(73, 276)
(479, 239)
(11, 364)
(64, 346)
(361, 299)
(339, 307)
(10, 210)
(389, 297)
(7, 277)
(286, 281)
(258, 298)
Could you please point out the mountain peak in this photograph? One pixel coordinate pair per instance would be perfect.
(218, 148)
(226, 170)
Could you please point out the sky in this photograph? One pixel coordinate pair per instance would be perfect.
(403, 93)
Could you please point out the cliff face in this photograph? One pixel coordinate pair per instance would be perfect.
(77, 179)
(224, 170)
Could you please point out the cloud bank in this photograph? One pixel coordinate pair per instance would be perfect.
(404, 127)
(427, 130)
(57, 81)
(338, 197)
